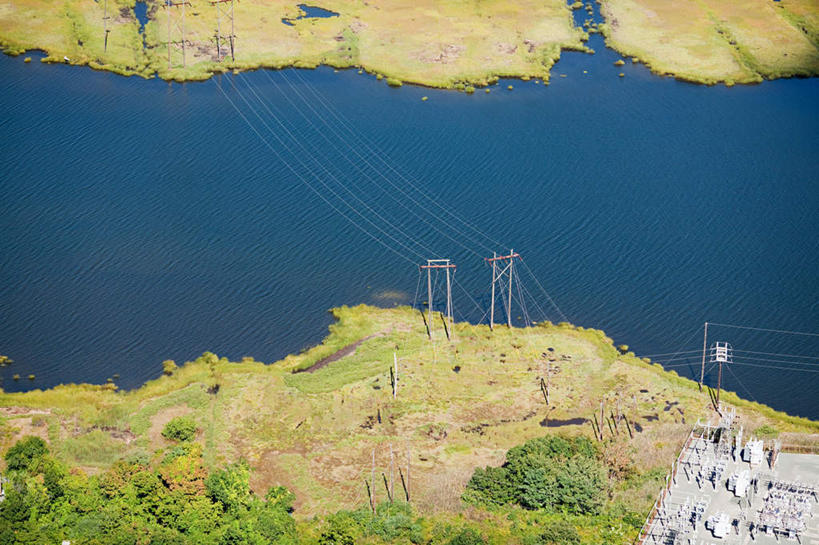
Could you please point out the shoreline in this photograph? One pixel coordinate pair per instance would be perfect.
(331, 349)
(485, 45)
(460, 406)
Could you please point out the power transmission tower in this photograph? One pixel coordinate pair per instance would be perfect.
(220, 10)
(720, 353)
(447, 266)
(508, 270)
(180, 25)
(105, 25)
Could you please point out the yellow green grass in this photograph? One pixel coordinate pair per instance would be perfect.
(711, 41)
(439, 43)
(461, 404)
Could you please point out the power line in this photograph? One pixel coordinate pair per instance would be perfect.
(779, 355)
(332, 176)
(780, 361)
(784, 331)
(776, 367)
(304, 181)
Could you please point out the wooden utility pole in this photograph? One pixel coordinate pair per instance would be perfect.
(721, 353)
(704, 345)
(105, 25)
(180, 25)
(509, 307)
(219, 12)
(492, 307)
(447, 266)
(508, 270)
(395, 376)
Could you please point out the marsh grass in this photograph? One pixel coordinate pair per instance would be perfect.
(315, 432)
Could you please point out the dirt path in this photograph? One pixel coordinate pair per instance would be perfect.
(337, 355)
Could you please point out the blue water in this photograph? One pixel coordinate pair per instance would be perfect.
(311, 11)
(143, 220)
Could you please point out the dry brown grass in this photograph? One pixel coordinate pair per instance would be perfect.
(709, 41)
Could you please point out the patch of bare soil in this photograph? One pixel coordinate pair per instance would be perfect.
(161, 418)
(29, 426)
(337, 355)
(14, 411)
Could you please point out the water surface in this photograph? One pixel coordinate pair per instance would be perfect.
(143, 220)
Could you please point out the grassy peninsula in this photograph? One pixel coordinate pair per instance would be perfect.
(436, 43)
(311, 422)
(709, 41)
(445, 44)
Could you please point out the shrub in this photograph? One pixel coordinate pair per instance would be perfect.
(26, 453)
(551, 473)
(467, 536)
(181, 428)
(559, 532)
(766, 432)
(168, 367)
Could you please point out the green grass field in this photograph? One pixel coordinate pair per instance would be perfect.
(460, 405)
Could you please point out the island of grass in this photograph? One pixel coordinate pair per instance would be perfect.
(312, 422)
(711, 41)
(447, 44)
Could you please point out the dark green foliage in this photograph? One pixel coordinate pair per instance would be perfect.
(181, 428)
(231, 487)
(165, 502)
(26, 453)
(552, 473)
(280, 498)
(559, 533)
(467, 536)
(491, 486)
(342, 529)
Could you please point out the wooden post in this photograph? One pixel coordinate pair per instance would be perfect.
(628, 427)
(386, 486)
(704, 346)
(372, 484)
(403, 483)
(408, 474)
(369, 494)
(548, 379)
(492, 304)
(602, 416)
(395, 378)
(392, 481)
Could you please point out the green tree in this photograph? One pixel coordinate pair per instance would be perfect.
(231, 487)
(26, 453)
(181, 428)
